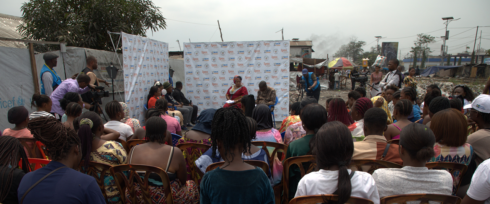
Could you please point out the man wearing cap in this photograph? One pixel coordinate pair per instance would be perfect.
(480, 114)
(312, 85)
(185, 110)
(49, 78)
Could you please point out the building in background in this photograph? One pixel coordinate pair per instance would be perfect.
(300, 49)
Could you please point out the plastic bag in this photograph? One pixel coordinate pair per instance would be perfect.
(380, 61)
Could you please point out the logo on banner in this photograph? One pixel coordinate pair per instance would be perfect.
(222, 53)
(205, 79)
(187, 46)
(277, 64)
(285, 77)
(275, 77)
(275, 51)
(206, 85)
(232, 65)
(222, 59)
(231, 45)
(231, 72)
(240, 65)
(250, 65)
(214, 45)
(200, 103)
(277, 83)
(190, 91)
(249, 71)
(251, 84)
(241, 52)
(208, 103)
(258, 78)
(207, 98)
(214, 78)
(224, 84)
(285, 57)
(198, 85)
(198, 66)
(223, 91)
(197, 72)
(188, 79)
(215, 72)
(267, 51)
(267, 64)
(189, 73)
(206, 45)
(258, 64)
(286, 64)
(284, 50)
(206, 66)
(195, 59)
(224, 45)
(125, 49)
(215, 84)
(223, 72)
(198, 91)
(214, 65)
(284, 70)
(241, 72)
(240, 58)
(276, 44)
(249, 52)
(285, 44)
(257, 44)
(213, 59)
(189, 85)
(250, 45)
(258, 58)
(214, 53)
(205, 59)
(216, 91)
(283, 90)
(197, 97)
(204, 72)
(285, 84)
(240, 45)
(230, 78)
(231, 52)
(197, 46)
(188, 53)
(187, 60)
(267, 71)
(204, 53)
(231, 59)
(267, 44)
(224, 66)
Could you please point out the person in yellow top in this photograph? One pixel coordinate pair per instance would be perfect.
(409, 80)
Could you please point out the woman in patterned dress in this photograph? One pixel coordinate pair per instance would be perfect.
(236, 92)
(409, 80)
(90, 127)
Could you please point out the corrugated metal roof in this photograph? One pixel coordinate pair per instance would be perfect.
(301, 43)
(8, 29)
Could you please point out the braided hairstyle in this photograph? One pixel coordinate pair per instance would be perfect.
(52, 133)
(410, 92)
(68, 98)
(11, 151)
(252, 125)
(337, 111)
(86, 134)
(113, 109)
(404, 107)
(73, 109)
(230, 129)
(161, 105)
(313, 116)
(335, 148)
(248, 103)
(362, 105)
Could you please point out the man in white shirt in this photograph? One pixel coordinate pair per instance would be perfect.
(50, 80)
(479, 191)
(393, 77)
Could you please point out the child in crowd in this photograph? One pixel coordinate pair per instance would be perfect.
(352, 97)
(427, 99)
(358, 109)
(43, 106)
(402, 111)
(338, 112)
(235, 181)
(361, 91)
(334, 149)
(115, 112)
(410, 94)
(173, 125)
(68, 98)
(265, 129)
(20, 117)
(416, 148)
(73, 110)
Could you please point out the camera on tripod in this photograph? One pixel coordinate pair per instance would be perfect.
(99, 92)
(361, 78)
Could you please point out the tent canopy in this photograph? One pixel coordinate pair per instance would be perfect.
(435, 69)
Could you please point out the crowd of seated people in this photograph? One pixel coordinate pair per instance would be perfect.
(406, 136)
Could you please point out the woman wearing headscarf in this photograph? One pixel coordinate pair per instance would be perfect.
(265, 129)
(235, 93)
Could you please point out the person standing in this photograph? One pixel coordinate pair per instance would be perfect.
(312, 85)
(266, 95)
(376, 77)
(180, 97)
(337, 80)
(89, 71)
(49, 78)
(394, 76)
(352, 78)
(80, 85)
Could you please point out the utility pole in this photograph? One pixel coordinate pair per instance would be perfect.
(474, 45)
(282, 32)
(180, 49)
(377, 41)
(220, 32)
(446, 35)
(479, 44)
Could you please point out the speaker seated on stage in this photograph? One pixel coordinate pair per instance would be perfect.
(236, 93)
(180, 97)
(266, 95)
(185, 110)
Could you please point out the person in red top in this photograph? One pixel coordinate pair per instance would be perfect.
(153, 96)
(235, 93)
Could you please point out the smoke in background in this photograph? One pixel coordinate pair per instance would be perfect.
(328, 44)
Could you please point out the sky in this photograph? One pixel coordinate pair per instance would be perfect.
(328, 23)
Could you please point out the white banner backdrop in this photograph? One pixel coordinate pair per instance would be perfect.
(144, 62)
(210, 68)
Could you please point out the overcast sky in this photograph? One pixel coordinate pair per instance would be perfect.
(328, 23)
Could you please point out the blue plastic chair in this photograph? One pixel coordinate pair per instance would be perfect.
(272, 112)
(282, 135)
(146, 106)
(175, 139)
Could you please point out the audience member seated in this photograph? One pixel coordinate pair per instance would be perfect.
(430, 89)
(235, 181)
(295, 130)
(73, 110)
(11, 152)
(153, 96)
(416, 148)
(180, 97)
(156, 153)
(374, 144)
(465, 92)
(337, 111)
(173, 125)
(185, 110)
(90, 129)
(70, 97)
(457, 104)
(380, 102)
(116, 114)
(19, 116)
(236, 92)
(388, 95)
(58, 182)
(358, 110)
(266, 95)
(351, 98)
(334, 149)
(410, 94)
(248, 104)
(132, 122)
(438, 104)
(427, 100)
(327, 104)
(43, 106)
(293, 118)
(265, 128)
(141, 133)
(403, 109)
(313, 116)
(361, 91)
(480, 184)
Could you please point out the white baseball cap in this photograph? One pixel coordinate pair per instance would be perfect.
(480, 104)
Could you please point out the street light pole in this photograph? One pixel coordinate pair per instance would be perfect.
(377, 42)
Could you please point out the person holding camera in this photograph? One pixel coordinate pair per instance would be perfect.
(80, 85)
(89, 71)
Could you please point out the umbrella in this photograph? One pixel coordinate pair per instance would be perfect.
(340, 63)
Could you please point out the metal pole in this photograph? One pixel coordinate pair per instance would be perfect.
(479, 44)
(282, 32)
(476, 36)
(444, 47)
(220, 32)
(180, 49)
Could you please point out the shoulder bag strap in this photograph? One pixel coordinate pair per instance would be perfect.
(386, 151)
(352, 172)
(34, 185)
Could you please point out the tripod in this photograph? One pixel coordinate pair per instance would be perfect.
(97, 108)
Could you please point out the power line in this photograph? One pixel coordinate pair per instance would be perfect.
(464, 31)
(189, 22)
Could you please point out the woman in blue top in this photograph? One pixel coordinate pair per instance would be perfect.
(59, 182)
(410, 94)
(235, 181)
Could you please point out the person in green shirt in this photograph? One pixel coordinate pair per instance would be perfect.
(313, 116)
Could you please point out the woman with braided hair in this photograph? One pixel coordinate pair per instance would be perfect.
(73, 110)
(58, 181)
(11, 151)
(235, 181)
(410, 94)
(403, 109)
(94, 148)
(333, 155)
(337, 111)
(358, 109)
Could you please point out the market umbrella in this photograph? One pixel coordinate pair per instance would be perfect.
(340, 63)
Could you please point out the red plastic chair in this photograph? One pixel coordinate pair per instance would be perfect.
(38, 163)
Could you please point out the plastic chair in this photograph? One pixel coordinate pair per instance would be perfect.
(282, 135)
(372, 165)
(133, 179)
(325, 198)
(456, 170)
(256, 163)
(423, 198)
(146, 106)
(272, 112)
(300, 161)
(31, 148)
(192, 151)
(175, 139)
(38, 163)
(42, 149)
(124, 144)
(280, 151)
(98, 171)
(132, 143)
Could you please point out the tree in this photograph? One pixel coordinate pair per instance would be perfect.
(85, 23)
(353, 49)
(371, 55)
(421, 45)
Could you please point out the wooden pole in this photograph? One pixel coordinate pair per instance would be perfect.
(35, 80)
(220, 32)
(282, 32)
(314, 68)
